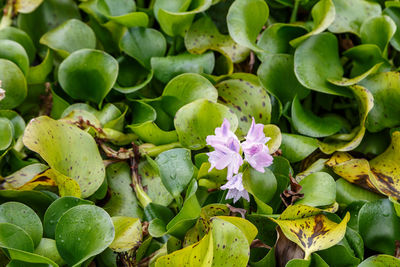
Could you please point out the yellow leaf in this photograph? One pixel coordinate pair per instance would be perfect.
(311, 233)
(66, 185)
(128, 233)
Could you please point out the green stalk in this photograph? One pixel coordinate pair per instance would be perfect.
(153, 151)
(293, 17)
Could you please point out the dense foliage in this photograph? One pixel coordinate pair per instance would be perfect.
(108, 110)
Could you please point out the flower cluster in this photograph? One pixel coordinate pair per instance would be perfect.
(228, 154)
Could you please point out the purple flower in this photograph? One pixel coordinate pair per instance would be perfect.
(255, 151)
(227, 150)
(236, 189)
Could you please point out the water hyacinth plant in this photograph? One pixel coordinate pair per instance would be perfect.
(199, 133)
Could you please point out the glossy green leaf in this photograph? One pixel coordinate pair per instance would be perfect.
(261, 185)
(19, 36)
(203, 35)
(56, 210)
(47, 248)
(319, 189)
(128, 233)
(14, 83)
(69, 37)
(15, 52)
(196, 120)
(246, 99)
(13, 236)
(297, 147)
(277, 76)
(275, 39)
(123, 201)
(38, 74)
(175, 18)
(315, 51)
(6, 133)
(166, 68)
(184, 89)
(82, 163)
(307, 123)
(23, 216)
(82, 232)
(143, 125)
(245, 20)
(47, 16)
(88, 75)
(378, 31)
(122, 12)
(176, 170)
(346, 193)
(142, 44)
(378, 226)
(394, 13)
(350, 15)
(380, 261)
(385, 88)
(323, 14)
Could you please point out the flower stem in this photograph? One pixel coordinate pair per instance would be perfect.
(293, 17)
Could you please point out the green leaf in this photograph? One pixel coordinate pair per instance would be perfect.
(47, 16)
(47, 248)
(142, 44)
(275, 39)
(319, 189)
(184, 89)
(350, 15)
(14, 83)
(245, 20)
(14, 237)
(88, 75)
(380, 261)
(19, 36)
(196, 120)
(394, 13)
(82, 232)
(277, 76)
(176, 170)
(307, 123)
(69, 37)
(15, 52)
(166, 68)
(323, 14)
(347, 142)
(346, 193)
(174, 18)
(128, 233)
(297, 147)
(377, 226)
(123, 201)
(246, 99)
(315, 51)
(22, 216)
(122, 12)
(203, 35)
(385, 88)
(56, 210)
(378, 31)
(260, 185)
(52, 139)
(6, 133)
(144, 126)
(38, 74)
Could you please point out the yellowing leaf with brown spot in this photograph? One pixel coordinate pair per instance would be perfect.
(128, 233)
(313, 233)
(66, 185)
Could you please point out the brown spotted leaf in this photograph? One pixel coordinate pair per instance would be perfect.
(311, 233)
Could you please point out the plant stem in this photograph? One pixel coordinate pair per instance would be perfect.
(293, 17)
(6, 20)
(153, 151)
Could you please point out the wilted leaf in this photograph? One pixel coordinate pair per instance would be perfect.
(128, 233)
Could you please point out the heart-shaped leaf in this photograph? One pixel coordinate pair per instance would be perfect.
(319, 189)
(378, 31)
(297, 147)
(82, 232)
(88, 81)
(15, 52)
(82, 163)
(196, 120)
